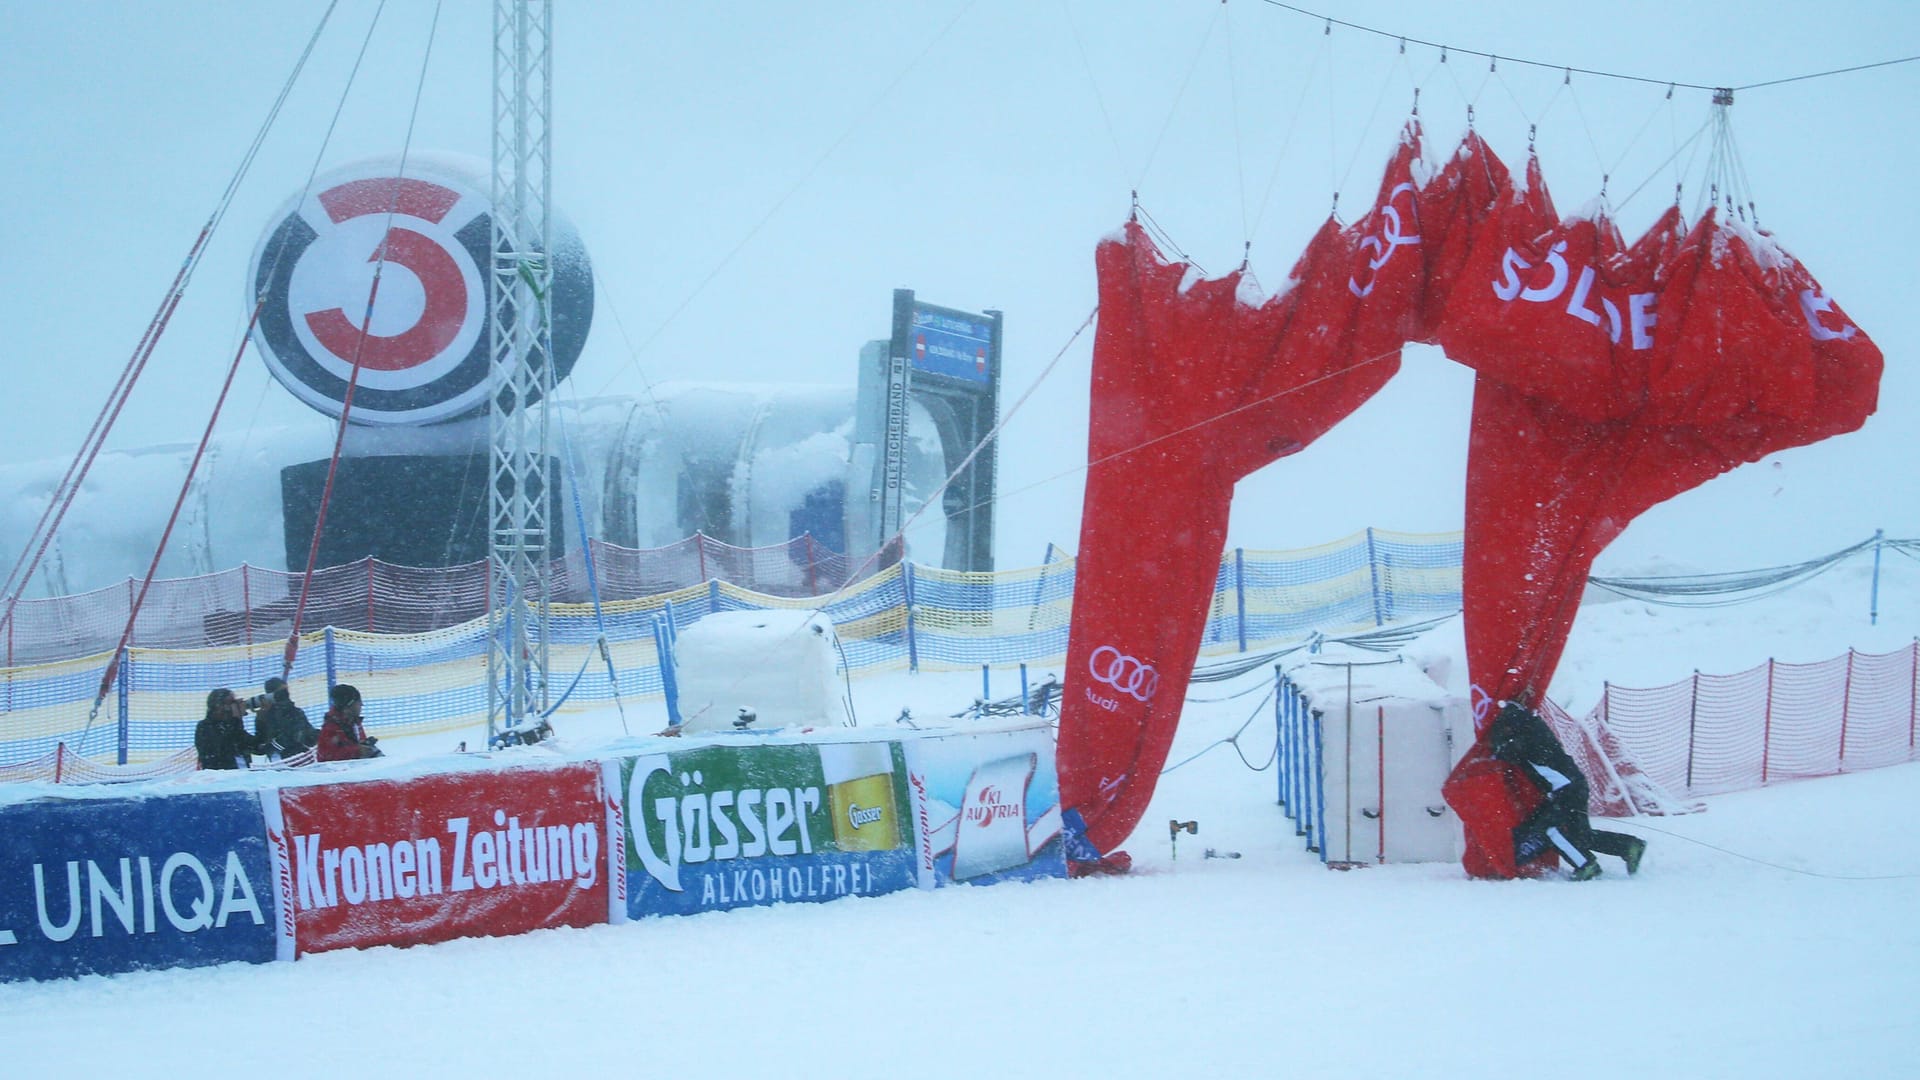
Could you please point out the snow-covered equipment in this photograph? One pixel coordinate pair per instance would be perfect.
(774, 669)
(1365, 743)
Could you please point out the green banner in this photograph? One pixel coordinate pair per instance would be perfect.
(729, 826)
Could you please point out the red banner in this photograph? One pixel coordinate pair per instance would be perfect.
(406, 862)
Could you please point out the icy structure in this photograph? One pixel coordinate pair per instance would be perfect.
(751, 465)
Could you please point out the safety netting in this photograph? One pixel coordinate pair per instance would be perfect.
(249, 604)
(905, 617)
(1711, 734)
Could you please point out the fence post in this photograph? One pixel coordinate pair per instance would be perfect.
(1693, 714)
(1279, 766)
(812, 589)
(700, 548)
(59, 761)
(713, 595)
(246, 605)
(1873, 597)
(124, 699)
(669, 682)
(332, 669)
(1373, 573)
(1846, 707)
(913, 646)
(986, 687)
(370, 594)
(1766, 732)
(1240, 592)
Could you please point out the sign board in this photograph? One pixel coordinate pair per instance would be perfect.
(727, 826)
(425, 355)
(97, 886)
(986, 807)
(433, 858)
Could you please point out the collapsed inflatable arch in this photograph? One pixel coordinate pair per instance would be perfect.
(1609, 377)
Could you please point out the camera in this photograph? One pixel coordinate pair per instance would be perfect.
(258, 702)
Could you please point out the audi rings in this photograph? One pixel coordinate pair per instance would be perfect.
(1128, 675)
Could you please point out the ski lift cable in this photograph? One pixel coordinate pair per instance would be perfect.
(353, 378)
(62, 497)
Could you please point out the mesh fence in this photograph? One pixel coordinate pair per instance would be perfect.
(1711, 734)
(422, 666)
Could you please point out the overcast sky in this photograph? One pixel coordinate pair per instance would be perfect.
(752, 180)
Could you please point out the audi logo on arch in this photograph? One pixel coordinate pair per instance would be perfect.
(1127, 675)
(424, 355)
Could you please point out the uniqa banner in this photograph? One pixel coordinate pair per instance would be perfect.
(431, 858)
(986, 807)
(110, 885)
(723, 827)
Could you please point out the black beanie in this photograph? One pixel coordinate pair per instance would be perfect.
(275, 685)
(343, 695)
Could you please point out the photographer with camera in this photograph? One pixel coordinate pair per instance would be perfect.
(342, 736)
(281, 728)
(221, 739)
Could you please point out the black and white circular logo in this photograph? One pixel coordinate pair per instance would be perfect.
(424, 353)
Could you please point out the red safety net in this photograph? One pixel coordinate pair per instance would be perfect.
(249, 604)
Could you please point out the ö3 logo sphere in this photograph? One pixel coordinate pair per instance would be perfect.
(1124, 673)
(425, 354)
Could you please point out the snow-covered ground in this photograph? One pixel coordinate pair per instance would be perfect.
(1772, 935)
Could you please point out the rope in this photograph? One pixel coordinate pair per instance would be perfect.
(76, 474)
(586, 549)
(1173, 109)
(780, 203)
(1119, 156)
(1584, 71)
(1774, 865)
(353, 379)
(1234, 739)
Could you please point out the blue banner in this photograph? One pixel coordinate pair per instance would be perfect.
(103, 886)
(949, 344)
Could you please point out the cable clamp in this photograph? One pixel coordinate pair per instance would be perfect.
(1723, 96)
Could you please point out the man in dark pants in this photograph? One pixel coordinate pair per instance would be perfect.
(1522, 739)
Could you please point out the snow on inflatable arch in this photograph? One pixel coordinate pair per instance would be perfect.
(1609, 378)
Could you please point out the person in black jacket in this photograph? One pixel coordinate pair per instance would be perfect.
(281, 728)
(1521, 738)
(221, 737)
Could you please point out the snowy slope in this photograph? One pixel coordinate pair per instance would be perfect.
(1771, 935)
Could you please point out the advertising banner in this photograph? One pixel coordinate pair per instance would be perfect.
(722, 827)
(110, 885)
(986, 806)
(404, 862)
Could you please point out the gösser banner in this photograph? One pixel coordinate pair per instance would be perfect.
(734, 826)
(438, 857)
(986, 806)
(110, 885)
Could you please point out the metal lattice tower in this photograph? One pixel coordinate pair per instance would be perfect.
(518, 554)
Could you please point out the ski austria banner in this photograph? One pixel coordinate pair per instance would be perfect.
(433, 858)
(102, 886)
(986, 807)
(729, 826)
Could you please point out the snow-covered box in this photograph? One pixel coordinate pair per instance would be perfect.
(1366, 741)
(781, 667)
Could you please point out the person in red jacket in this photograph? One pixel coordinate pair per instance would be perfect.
(342, 736)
